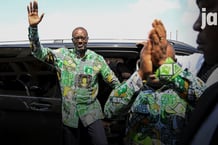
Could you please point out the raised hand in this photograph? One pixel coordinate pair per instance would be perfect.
(160, 32)
(159, 43)
(146, 67)
(33, 16)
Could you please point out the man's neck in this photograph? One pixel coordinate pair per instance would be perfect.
(80, 54)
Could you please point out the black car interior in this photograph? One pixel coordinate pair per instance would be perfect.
(28, 77)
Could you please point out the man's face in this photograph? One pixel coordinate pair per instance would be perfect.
(80, 40)
(207, 37)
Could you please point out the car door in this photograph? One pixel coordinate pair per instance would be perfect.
(30, 100)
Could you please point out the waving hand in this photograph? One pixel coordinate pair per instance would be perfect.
(33, 17)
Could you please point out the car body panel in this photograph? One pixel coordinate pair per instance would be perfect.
(30, 100)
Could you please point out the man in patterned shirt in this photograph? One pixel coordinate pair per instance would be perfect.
(78, 69)
(156, 116)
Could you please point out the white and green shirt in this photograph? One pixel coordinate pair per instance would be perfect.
(78, 80)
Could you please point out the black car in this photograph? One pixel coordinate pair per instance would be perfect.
(30, 96)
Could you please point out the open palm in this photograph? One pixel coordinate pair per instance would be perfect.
(33, 17)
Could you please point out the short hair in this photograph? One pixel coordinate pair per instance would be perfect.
(78, 28)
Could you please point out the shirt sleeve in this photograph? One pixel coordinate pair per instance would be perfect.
(37, 49)
(121, 97)
(108, 75)
(188, 86)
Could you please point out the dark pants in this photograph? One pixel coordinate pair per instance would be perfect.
(93, 134)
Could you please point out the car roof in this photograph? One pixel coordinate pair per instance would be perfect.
(110, 46)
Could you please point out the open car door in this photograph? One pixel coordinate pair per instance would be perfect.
(30, 99)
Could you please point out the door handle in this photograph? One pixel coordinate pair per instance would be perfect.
(37, 106)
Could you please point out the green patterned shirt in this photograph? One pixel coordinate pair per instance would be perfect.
(156, 116)
(78, 80)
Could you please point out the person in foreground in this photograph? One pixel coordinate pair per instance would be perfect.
(156, 115)
(203, 125)
(78, 70)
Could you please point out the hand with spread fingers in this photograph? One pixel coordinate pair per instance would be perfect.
(33, 17)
